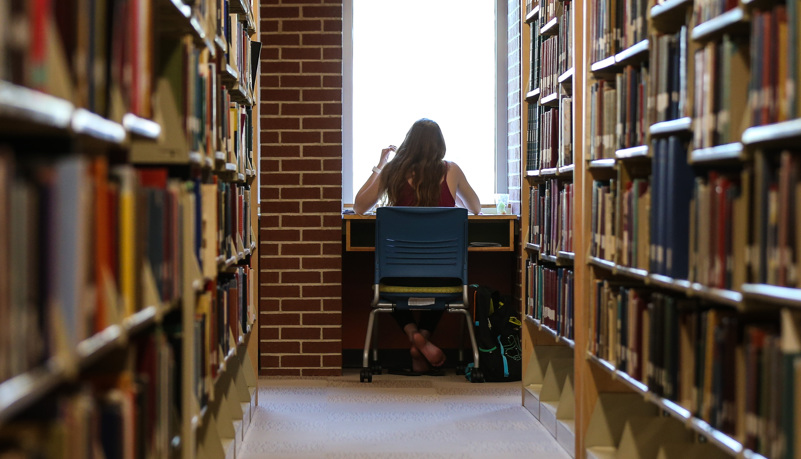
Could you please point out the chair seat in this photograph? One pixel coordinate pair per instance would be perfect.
(408, 297)
(383, 288)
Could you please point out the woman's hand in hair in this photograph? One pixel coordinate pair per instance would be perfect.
(371, 191)
(385, 156)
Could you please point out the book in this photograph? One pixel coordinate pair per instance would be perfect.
(128, 267)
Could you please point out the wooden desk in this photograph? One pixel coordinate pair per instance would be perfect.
(493, 266)
(497, 229)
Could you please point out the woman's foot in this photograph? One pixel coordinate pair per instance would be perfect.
(432, 353)
(419, 362)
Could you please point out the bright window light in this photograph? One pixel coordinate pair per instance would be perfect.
(432, 59)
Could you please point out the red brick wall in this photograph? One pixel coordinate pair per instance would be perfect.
(300, 302)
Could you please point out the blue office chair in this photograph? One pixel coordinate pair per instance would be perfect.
(420, 264)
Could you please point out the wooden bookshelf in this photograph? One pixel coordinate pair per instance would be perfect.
(567, 77)
(549, 172)
(681, 126)
(732, 152)
(689, 215)
(634, 53)
(550, 28)
(784, 133)
(606, 65)
(113, 182)
(632, 153)
(670, 11)
(732, 21)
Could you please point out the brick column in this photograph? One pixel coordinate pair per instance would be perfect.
(300, 303)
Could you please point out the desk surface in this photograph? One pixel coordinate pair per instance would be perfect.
(481, 217)
(498, 230)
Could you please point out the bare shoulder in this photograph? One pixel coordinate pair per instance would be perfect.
(454, 168)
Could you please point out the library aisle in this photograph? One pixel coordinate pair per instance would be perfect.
(394, 417)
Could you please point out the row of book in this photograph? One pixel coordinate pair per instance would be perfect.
(565, 38)
(86, 52)
(550, 9)
(603, 231)
(549, 296)
(619, 112)
(565, 140)
(635, 231)
(102, 54)
(668, 77)
(719, 103)
(550, 55)
(776, 207)
(243, 55)
(224, 313)
(549, 131)
(549, 63)
(719, 229)
(633, 24)
(719, 108)
(695, 225)
(234, 217)
(651, 220)
(607, 25)
(774, 94)
(772, 381)
(91, 244)
(551, 216)
(535, 111)
(534, 54)
(132, 413)
(671, 193)
(549, 136)
(688, 353)
(603, 118)
(203, 108)
(705, 10)
(631, 127)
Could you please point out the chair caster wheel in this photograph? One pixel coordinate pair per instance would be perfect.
(477, 376)
(366, 375)
(376, 369)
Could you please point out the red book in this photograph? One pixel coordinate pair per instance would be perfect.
(233, 308)
(104, 236)
(40, 13)
(154, 177)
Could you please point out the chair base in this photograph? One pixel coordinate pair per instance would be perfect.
(368, 370)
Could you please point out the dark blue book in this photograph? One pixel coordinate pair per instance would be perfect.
(679, 195)
(111, 430)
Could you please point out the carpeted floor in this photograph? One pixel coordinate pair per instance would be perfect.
(393, 417)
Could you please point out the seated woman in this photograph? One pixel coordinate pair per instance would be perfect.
(418, 175)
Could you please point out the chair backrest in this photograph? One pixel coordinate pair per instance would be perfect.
(421, 242)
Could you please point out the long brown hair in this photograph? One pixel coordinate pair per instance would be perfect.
(419, 157)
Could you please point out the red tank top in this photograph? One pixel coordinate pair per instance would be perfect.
(407, 197)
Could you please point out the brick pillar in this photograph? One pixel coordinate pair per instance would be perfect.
(300, 300)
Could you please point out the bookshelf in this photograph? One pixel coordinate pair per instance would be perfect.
(128, 167)
(547, 208)
(685, 266)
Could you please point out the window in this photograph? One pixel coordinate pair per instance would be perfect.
(438, 59)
